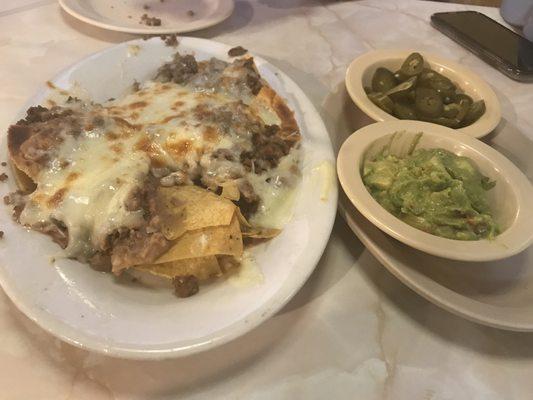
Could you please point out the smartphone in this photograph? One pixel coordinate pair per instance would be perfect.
(500, 47)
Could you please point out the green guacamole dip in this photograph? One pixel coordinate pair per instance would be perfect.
(433, 190)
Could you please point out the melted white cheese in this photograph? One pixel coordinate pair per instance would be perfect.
(248, 274)
(95, 172)
(276, 188)
(96, 182)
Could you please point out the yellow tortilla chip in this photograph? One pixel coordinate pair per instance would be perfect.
(202, 268)
(187, 208)
(260, 233)
(230, 191)
(213, 240)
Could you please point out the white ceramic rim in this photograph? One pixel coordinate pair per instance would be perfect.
(288, 289)
(354, 85)
(226, 9)
(517, 237)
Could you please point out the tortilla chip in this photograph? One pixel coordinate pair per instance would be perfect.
(260, 233)
(202, 268)
(23, 181)
(210, 241)
(242, 219)
(187, 208)
(230, 191)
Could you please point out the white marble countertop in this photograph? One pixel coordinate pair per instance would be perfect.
(353, 331)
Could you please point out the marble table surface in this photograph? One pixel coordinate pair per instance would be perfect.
(353, 331)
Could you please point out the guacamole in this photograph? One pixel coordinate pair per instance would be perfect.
(433, 190)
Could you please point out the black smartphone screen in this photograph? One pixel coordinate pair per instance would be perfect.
(482, 33)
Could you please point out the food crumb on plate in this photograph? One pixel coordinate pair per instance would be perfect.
(3, 163)
(150, 21)
(133, 50)
(325, 173)
(237, 51)
(1, 234)
(3, 177)
(170, 40)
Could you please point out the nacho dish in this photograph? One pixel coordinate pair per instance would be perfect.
(174, 179)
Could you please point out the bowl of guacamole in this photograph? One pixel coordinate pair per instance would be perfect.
(433, 190)
(441, 192)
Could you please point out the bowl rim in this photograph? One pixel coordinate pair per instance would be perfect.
(354, 85)
(516, 238)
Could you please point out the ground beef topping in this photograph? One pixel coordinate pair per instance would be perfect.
(268, 148)
(42, 114)
(238, 78)
(249, 201)
(17, 200)
(179, 70)
(34, 140)
(185, 286)
(253, 80)
(55, 229)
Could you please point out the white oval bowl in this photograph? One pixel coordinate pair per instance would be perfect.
(359, 74)
(510, 199)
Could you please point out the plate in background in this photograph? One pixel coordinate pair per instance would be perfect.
(176, 16)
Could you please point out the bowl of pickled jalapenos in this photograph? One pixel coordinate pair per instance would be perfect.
(410, 85)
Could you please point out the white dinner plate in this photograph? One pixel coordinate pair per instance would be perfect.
(497, 293)
(122, 318)
(176, 16)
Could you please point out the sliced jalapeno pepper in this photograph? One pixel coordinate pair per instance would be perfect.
(461, 96)
(428, 103)
(403, 89)
(418, 92)
(451, 110)
(383, 80)
(428, 75)
(404, 111)
(476, 110)
(400, 77)
(382, 101)
(413, 65)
